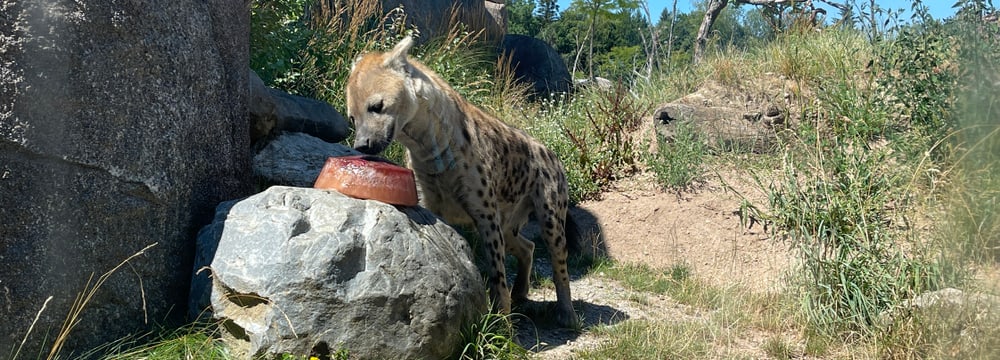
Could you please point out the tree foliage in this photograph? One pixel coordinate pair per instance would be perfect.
(522, 18)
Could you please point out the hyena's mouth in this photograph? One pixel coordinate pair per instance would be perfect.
(372, 146)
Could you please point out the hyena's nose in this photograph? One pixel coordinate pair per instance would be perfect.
(367, 146)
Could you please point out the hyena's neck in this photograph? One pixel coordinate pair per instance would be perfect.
(434, 133)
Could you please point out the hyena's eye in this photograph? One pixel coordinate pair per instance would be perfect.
(376, 107)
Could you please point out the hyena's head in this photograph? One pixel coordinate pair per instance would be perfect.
(380, 97)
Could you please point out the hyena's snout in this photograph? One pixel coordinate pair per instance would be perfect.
(371, 145)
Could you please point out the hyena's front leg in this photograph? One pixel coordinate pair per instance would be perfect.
(481, 205)
(489, 231)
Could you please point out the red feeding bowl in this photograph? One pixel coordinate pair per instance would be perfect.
(369, 177)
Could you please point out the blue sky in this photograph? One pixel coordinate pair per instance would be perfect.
(939, 8)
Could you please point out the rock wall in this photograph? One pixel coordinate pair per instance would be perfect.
(122, 124)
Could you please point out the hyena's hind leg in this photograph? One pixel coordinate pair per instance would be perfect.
(523, 250)
(551, 212)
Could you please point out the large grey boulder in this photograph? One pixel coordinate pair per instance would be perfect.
(122, 124)
(295, 159)
(310, 272)
(273, 111)
(535, 62)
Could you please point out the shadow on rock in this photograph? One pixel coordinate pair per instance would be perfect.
(537, 331)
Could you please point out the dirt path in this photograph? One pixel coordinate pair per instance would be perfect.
(637, 222)
(701, 229)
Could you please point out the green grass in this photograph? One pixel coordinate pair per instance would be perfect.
(719, 316)
(678, 163)
(779, 348)
(643, 339)
(832, 206)
(492, 338)
(195, 341)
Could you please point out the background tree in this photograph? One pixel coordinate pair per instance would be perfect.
(621, 55)
(595, 11)
(774, 7)
(652, 46)
(522, 19)
(547, 12)
(670, 33)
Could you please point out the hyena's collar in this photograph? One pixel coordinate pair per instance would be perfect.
(440, 157)
(444, 158)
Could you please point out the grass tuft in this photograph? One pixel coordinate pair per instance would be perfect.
(492, 338)
(193, 341)
(678, 163)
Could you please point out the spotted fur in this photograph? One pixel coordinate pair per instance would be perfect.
(470, 166)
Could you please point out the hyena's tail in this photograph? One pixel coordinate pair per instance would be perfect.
(574, 239)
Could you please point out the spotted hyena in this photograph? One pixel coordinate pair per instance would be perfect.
(470, 166)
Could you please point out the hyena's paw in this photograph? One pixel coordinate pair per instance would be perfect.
(567, 318)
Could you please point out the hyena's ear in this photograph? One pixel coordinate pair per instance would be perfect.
(356, 60)
(396, 58)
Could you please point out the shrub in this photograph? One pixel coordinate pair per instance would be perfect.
(604, 137)
(277, 36)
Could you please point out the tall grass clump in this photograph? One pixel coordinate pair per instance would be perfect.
(833, 205)
(843, 199)
(875, 144)
(493, 337)
(974, 219)
(812, 58)
(677, 162)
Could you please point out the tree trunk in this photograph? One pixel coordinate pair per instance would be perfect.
(579, 51)
(670, 38)
(714, 8)
(590, 33)
(654, 39)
